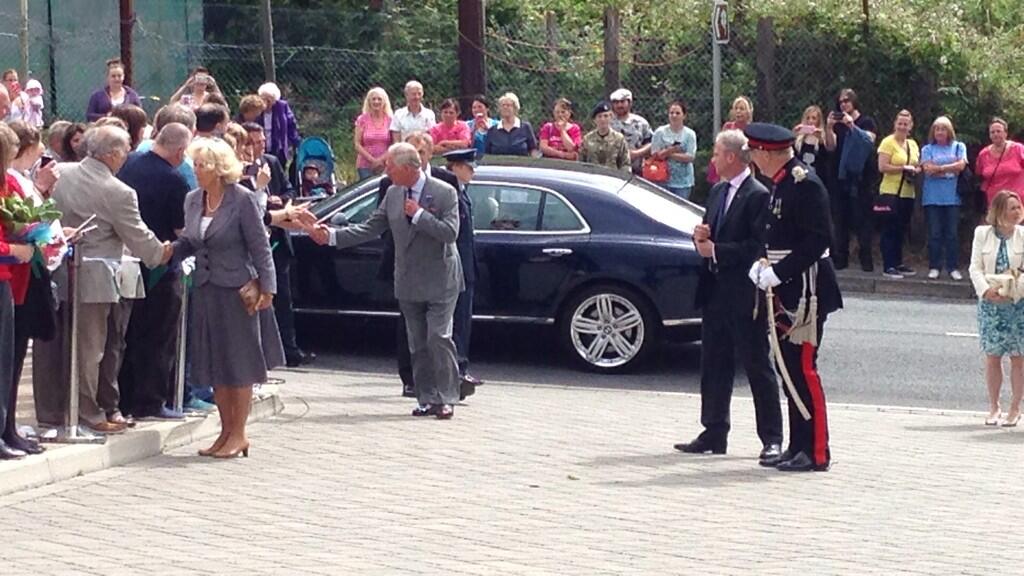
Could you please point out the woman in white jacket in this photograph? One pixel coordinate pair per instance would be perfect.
(999, 250)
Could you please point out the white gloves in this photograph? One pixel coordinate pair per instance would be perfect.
(763, 275)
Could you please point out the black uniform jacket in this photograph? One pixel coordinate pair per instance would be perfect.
(798, 219)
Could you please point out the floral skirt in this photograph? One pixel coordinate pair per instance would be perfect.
(1001, 328)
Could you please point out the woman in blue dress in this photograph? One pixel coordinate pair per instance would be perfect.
(999, 249)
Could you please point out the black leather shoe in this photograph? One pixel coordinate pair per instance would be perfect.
(801, 462)
(467, 377)
(700, 446)
(8, 453)
(466, 388)
(445, 412)
(786, 455)
(27, 446)
(298, 358)
(770, 455)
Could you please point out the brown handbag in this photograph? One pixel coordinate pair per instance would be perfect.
(250, 294)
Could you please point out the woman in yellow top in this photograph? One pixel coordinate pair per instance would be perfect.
(898, 161)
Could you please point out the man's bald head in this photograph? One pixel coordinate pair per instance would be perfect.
(172, 142)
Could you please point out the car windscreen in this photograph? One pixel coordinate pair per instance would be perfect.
(661, 205)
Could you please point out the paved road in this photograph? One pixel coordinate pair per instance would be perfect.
(876, 351)
(532, 480)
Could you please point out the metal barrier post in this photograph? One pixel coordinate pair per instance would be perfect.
(70, 433)
(179, 380)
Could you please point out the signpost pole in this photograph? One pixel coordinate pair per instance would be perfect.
(719, 36)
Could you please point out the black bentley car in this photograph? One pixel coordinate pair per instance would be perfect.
(605, 259)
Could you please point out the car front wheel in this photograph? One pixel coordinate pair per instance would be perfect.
(608, 329)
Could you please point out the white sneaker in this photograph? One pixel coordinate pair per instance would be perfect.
(956, 275)
(933, 274)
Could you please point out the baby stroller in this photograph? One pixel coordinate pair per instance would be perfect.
(315, 161)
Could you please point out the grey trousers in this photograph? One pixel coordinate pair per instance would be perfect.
(435, 370)
(49, 375)
(101, 331)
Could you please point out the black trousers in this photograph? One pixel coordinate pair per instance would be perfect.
(808, 436)
(146, 378)
(462, 325)
(283, 311)
(728, 335)
(850, 203)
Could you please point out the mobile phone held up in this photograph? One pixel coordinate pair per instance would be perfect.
(251, 170)
(44, 160)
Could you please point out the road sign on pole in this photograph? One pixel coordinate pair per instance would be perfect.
(720, 35)
(720, 22)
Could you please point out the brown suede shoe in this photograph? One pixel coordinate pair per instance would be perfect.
(104, 427)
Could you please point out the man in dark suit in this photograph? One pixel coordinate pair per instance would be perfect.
(797, 275)
(734, 317)
(279, 192)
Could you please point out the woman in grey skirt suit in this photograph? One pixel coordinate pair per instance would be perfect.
(233, 349)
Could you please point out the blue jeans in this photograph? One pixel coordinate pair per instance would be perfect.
(681, 191)
(364, 173)
(942, 235)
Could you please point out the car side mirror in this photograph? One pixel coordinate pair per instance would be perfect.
(339, 219)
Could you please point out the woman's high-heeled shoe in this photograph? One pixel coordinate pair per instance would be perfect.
(993, 418)
(212, 449)
(241, 450)
(1011, 422)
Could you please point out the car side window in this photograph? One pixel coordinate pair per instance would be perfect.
(504, 207)
(558, 216)
(360, 211)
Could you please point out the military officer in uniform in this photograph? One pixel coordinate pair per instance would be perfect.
(462, 163)
(797, 275)
(602, 145)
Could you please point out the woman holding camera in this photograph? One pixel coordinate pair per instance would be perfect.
(898, 159)
(810, 141)
(999, 248)
(677, 144)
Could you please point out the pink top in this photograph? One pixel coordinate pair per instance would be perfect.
(551, 135)
(459, 131)
(376, 137)
(1007, 174)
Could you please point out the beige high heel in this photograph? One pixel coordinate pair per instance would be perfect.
(993, 418)
(1011, 422)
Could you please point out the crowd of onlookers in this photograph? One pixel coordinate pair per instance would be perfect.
(121, 184)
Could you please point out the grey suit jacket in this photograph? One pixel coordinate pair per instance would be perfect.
(427, 267)
(235, 248)
(89, 188)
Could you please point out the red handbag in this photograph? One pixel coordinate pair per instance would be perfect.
(655, 170)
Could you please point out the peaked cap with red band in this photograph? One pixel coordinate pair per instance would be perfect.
(768, 137)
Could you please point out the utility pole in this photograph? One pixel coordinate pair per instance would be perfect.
(127, 24)
(267, 24)
(472, 69)
(23, 40)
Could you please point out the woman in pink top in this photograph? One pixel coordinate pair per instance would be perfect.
(562, 137)
(373, 133)
(741, 114)
(1001, 164)
(451, 133)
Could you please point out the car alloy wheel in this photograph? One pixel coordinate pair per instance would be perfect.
(607, 330)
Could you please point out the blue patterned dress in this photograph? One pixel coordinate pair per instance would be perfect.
(1001, 326)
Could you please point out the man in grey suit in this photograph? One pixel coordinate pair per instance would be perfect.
(422, 214)
(87, 188)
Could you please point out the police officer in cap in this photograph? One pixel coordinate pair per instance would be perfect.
(462, 163)
(797, 275)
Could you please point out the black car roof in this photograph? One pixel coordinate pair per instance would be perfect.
(546, 169)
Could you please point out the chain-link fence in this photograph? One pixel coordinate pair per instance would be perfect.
(326, 60)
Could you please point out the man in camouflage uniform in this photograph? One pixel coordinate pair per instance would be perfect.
(634, 127)
(603, 145)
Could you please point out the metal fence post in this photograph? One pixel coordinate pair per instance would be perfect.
(179, 373)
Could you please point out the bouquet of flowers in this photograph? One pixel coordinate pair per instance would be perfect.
(26, 223)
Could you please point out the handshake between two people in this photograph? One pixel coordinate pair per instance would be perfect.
(321, 233)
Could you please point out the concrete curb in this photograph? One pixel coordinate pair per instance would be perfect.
(855, 281)
(62, 462)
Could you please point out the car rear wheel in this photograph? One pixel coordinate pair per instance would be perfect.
(608, 329)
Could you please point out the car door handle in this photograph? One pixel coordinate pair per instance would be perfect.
(557, 251)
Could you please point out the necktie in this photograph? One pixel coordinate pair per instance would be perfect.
(721, 211)
(408, 194)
